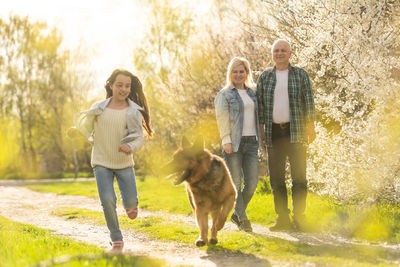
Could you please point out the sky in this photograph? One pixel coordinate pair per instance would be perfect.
(105, 28)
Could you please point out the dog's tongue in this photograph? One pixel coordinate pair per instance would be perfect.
(179, 180)
(172, 175)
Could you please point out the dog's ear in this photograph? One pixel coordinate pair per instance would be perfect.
(199, 144)
(185, 143)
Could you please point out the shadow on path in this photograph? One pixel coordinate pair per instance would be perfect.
(227, 257)
(318, 244)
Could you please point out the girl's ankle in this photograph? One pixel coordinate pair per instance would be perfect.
(132, 213)
(117, 246)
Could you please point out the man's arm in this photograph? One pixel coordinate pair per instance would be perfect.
(261, 107)
(309, 108)
(260, 98)
(263, 136)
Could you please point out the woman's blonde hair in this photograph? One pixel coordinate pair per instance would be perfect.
(237, 61)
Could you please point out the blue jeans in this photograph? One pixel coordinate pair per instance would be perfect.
(244, 163)
(105, 186)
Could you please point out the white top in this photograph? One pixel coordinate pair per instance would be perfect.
(280, 113)
(249, 119)
(109, 129)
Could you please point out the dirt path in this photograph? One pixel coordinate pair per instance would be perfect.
(23, 205)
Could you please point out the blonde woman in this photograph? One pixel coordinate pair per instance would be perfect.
(237, 119)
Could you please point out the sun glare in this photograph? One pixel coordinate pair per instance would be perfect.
(106, 30)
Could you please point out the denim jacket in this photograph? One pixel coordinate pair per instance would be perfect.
(229, 110)
(84, 122)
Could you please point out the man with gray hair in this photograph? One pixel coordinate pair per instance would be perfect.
(286, 116)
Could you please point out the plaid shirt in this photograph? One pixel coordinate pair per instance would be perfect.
(301, 102)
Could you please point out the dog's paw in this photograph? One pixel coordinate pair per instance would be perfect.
(200, 243)
(213, 241)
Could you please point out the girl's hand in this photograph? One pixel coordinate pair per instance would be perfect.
(228, 148)
(73, 132)
(124, 148)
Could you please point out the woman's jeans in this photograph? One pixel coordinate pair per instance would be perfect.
(105, 186)
(244, 163)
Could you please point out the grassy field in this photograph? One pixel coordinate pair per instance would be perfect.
(25, 245)
(375, 222)
(237, 242)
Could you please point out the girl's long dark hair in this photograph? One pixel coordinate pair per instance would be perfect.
(136, 95)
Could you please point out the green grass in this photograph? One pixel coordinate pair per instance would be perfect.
(236, 242)
(86, 188)
(377, 222)
(25, 245)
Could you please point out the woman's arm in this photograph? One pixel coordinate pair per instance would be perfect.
(222, 115)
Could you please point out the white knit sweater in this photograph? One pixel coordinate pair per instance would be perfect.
(109, 128)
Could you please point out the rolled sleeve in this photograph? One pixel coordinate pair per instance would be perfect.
(135, 138)
(226, 140)
(84, 122)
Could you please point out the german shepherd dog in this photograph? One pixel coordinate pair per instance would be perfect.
(209, 186)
